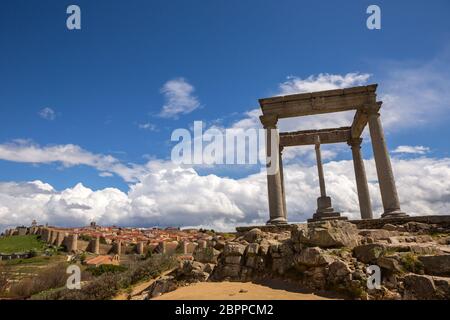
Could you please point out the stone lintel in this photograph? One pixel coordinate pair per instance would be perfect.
(319, 102)
(307, 137)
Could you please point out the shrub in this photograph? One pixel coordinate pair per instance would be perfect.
(108, 284)
(46, 279)
(105, 268)
(411, 263)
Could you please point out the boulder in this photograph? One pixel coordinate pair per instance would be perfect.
(312, 257)
(443, 287)
(219, 245)
(206, 255)
(255, 262)
(162, 285)
(254, 235)
(233, 249)
(252, 249)
(389, 263)
(194, 271)
(230, 271)
(339, 272)
(369, 253)
(327, 234)
(438, 265)
(419, 287)
(233, 259)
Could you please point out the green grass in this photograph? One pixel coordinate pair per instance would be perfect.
(20, 244)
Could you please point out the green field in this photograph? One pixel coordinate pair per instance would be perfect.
(20, 244)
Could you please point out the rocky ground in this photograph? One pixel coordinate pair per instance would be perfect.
(414, 260)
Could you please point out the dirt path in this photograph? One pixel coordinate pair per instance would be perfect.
(241, 291)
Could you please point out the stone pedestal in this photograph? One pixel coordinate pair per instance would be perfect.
(325, 211)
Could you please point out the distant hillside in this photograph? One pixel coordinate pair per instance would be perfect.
(20, 244)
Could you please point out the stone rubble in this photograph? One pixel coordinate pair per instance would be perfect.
(330, 255)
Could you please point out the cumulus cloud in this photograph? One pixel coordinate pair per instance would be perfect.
(47, 114)
(321, 82)
(68, 155)
(416, 94)
(162, 193)
(411, 149)
(170, 195)
(179, 98)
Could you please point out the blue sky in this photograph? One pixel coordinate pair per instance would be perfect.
(102, 84)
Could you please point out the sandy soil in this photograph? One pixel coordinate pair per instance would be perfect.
(242, 291)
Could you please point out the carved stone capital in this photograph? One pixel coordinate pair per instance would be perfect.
(269, 122)
(355, 142)
(373, 109)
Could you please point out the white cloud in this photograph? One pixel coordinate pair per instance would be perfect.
(165, 194)
(176, 196)
(411, 149)
(47, 114)
(179, 98)
(415, 95)
(321, 82)
(68, 155)
(148, 126)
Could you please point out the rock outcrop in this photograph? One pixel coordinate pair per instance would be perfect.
(331, 255)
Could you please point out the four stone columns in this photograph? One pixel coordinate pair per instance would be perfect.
(274, 181)
(361, 180)
(275, 178)
(386, 180)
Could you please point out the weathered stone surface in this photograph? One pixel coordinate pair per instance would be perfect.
(162, 285)
(339, 272)
(206, 255)
(231, 271)
(255, 262)
(389, 263)
(316, 277)
(419, 287)
(252, 249)
(369, 253)
(219, 245)
(312, 257)
(233, 249)
(438, 265)
(443, 287)
(327, 234)
(233, 259)
(254, 235)
(377, 234)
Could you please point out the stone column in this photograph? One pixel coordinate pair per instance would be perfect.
(282, 183)
(325, 210)
(386, 180)
(323, 192)
(362, 187)
(274, 184)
